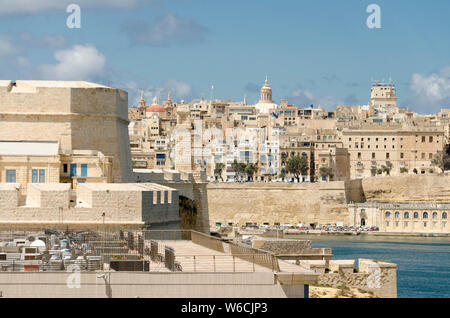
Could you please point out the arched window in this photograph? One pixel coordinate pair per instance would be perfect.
(444, 215)
(397, 215)
(304, 154)
(435, 216)
(388, 215)
(416, 215)
(406, 215)
(425, 215)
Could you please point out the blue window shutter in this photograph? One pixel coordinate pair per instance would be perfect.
(41, 175)
(84, 170)
(11, 176)
(34, 175)
(73, 170)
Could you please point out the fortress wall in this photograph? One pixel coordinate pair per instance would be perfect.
(80, 115)
(407, 188)
(9, 195)
(102, 125)
(278, 202)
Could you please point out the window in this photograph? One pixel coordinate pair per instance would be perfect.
(359, 155)
(444, 215)
(425, 215)
(41, 175)
(423, 155)
(34, 176)
(416, 215)
(397, 215)
(387, 155)
(83, 170)
(73, 170)
(406, 215)
(435, 215)
(423, 138)
(430, 156)
(373, 155)
(11, 176)
(424, 224)
(431, 139)
(388, 215)
(402, 155)
(406, 224)
(65, 168)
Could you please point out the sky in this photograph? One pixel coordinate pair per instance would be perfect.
(313, 52)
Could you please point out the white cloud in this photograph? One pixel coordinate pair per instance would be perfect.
(435, 88)
(13, 7)
(81, 62)
(6, 47)
(167, 31)
(178, 89)
(305, 98)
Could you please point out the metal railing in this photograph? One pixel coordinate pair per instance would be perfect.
(250, 254)
(207, 241)
(221, 263)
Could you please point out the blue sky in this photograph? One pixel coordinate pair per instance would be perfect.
(318, 52)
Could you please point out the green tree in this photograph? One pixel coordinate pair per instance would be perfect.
(250, 170)
(238, 168)
(441, 160)
(283, 174)
(387, 168)
(326, 172)
(297, 166)
(403, 170)
(219, 169)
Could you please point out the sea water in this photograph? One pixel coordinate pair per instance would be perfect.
(423, 263)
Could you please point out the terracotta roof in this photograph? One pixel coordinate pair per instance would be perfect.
(155, 108)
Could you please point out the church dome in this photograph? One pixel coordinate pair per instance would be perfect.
(155, 108)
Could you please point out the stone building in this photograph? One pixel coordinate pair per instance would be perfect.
(77, 115)
(406, 217)
(406, 149)
(44, 162)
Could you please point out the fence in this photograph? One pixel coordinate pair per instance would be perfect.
(249, 254)
(207, 241)
(219, 263)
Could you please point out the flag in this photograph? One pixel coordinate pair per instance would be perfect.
(212, 87)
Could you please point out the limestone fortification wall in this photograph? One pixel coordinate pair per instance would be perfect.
(380, 278)
(317, 202)
(80, 115)
(189, 185)
(281, 202)
(121, 204)
(407, 188)
(9, 195)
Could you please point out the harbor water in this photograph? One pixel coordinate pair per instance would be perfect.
(423, 263)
